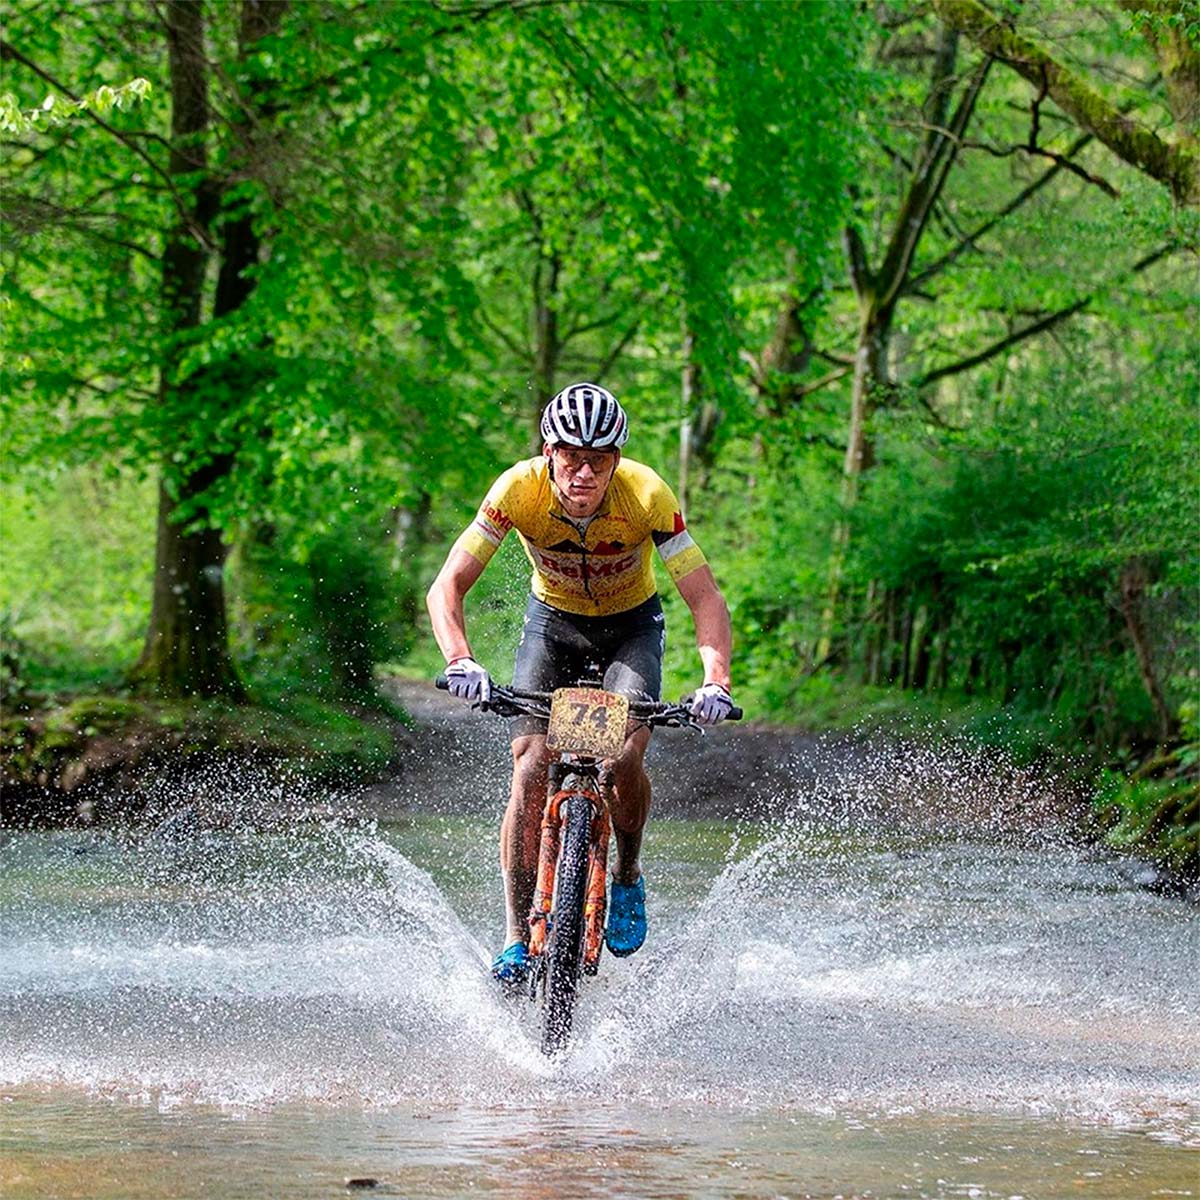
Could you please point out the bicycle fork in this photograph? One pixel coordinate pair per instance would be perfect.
(595, 905)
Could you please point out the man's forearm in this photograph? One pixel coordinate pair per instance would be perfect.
(446, 618)
(714, 639)
(444, 600)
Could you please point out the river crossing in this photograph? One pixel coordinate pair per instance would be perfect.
(827, 1007)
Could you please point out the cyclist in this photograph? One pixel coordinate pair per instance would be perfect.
(588, 519)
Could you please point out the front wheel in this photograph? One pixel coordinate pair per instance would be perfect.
(564, 949)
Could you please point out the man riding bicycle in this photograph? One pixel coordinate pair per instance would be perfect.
(588, 519)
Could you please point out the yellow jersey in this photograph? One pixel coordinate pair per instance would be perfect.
(595, 566)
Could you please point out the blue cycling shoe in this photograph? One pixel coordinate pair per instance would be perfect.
(626, 917)
(511, 966)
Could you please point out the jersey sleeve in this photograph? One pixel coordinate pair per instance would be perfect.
(481, 539)
(680, 555)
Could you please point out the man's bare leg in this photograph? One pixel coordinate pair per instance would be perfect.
(520, 834)
(630, 806)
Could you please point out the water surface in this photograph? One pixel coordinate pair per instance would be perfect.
(819, 1012)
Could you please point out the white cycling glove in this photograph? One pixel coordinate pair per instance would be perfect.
(711, 704)
(467, 680)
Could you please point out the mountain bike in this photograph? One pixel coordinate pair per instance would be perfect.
(587, 727)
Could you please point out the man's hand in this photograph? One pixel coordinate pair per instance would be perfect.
(711, 704)
(467, 680)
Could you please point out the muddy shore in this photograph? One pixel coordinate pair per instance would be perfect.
(453, 759)
(458, 760)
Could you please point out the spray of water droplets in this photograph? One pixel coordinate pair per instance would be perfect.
(902, 928)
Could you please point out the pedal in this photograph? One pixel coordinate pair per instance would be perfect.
(537, 972)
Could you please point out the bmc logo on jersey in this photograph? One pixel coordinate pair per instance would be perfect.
(496, 517)
(569, 569)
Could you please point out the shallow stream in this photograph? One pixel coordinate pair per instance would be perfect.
(819, 1012)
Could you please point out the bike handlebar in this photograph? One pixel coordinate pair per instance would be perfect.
(511, 702)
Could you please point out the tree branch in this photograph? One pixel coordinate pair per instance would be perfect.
(1061, 163)
(617, 350)
(8, 51)
(924, 190)
(521, 353)
(588, 326)
(1177, 165)
(825, 380)
(1036, 327)
(1058, 159)
(856, 256)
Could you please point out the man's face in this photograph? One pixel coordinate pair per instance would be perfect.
(582, 476)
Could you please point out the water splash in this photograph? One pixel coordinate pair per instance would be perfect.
(813, 970)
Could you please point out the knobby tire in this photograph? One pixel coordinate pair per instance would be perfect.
(564, 952)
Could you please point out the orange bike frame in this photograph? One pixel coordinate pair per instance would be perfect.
(543, 896)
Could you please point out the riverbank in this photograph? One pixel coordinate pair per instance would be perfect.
(98, 759)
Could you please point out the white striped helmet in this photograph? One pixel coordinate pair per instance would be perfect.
(585, 414)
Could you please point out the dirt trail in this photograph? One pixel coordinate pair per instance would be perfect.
(455, 759)
(458, 760)
(459, 757)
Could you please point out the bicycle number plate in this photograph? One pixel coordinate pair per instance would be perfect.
(588, 721)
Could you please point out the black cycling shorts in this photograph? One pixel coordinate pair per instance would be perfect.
(622, 652)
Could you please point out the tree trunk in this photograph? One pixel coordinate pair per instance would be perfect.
(547, 340)
(186, 650)
(874, 635)
(689, 387)
(241, 244)
(918, 676)
(972, 677)
(1133, 588)
(928, 631)
(410, 533)
(941, 671)
(871, 376)
(906, 629)
(789, 350)
(879, 291)
(891, 634)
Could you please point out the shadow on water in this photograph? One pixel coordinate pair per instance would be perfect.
(916, 1001)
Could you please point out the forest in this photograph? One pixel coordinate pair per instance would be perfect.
(901, 298)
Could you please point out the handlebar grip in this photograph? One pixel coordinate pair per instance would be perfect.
(442, 683)
(734, 714)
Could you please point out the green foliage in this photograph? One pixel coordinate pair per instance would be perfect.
(56, 109)
(1155, 813)
(1156, 818)
(13, 660)
(459, 210)
(1023, 531)
(1155, 20)
(314, 608)
(75, 575)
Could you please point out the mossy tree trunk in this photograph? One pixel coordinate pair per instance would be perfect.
(186, 651)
